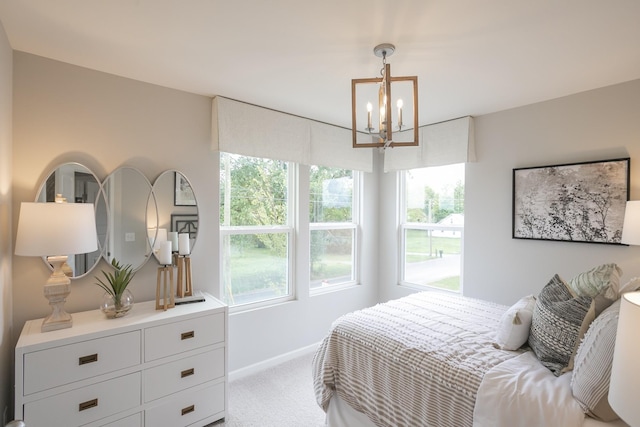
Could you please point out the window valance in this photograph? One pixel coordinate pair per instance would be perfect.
(441, 144)
(250, 130)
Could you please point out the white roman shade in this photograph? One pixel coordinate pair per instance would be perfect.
(441, 144)
(250, 130)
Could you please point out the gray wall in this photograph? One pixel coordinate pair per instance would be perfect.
(6, 306)
(595, 125)
(66, 113)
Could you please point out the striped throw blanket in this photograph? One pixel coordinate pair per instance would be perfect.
(415, 361)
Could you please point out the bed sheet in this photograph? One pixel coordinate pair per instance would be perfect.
(526, 394)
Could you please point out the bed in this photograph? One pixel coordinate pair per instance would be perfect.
(431, 359)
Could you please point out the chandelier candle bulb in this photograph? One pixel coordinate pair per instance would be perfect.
(183, 244)
(369, 109)
(399, 114)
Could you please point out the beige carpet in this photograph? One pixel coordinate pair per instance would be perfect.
(281, 396)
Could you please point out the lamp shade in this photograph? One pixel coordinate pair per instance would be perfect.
(625, 375)
(56, 229)
(631, 225)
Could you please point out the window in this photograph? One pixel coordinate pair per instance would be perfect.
(332, 226)
(256, 229)
(432, 226)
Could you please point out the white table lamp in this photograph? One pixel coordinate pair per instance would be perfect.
(624, 387)
(625, 375)
(631, 225)
(56, 230)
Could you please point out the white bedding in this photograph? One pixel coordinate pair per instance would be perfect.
(522, 391)
(340, 414)
(526, 394)
(412, 361)
(430, 358)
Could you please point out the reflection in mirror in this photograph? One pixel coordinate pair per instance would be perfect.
(177, 209)
(77, 184)
(127, 193)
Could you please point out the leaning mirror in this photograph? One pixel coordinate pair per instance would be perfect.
(177, 209)
(127, 193)
(75, 183)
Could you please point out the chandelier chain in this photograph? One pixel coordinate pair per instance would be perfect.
(384, 62)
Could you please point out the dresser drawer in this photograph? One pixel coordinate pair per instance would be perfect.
(86, 404)
(187, 407)
(56, 366)
(178, 337)
(134, 420)
(182, 374)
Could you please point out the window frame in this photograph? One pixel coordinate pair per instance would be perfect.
(355, 225)
(289, 229)
(404, 225)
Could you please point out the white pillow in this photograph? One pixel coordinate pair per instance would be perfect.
(592, 365)
(515, 323)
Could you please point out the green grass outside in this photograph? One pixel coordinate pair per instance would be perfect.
(450, 283)
(255, 268)
(417, 242)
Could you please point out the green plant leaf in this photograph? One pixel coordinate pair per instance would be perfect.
(118, 280)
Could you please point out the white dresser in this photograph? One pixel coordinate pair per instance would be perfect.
(150, 368)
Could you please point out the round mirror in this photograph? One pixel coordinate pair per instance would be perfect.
(177, 210)
(127, 193)
(77, 184)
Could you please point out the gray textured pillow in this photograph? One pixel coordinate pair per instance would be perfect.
(592, 365)
(560, 320)
(601, 283)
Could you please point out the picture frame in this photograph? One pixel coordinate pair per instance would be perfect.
(183, 194)
(574, 202)
(185, 223)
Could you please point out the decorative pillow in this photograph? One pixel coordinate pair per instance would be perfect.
(592, 365)
(632, 285)
(601, 283)
(560, 320)
(515, 323)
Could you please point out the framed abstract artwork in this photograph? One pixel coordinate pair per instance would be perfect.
(574, 202)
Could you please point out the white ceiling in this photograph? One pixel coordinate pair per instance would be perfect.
(471, 57)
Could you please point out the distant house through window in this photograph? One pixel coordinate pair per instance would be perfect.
(432, 227)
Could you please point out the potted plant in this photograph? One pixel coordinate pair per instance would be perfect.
(117, 300)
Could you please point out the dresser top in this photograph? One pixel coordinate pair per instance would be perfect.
(95, 322)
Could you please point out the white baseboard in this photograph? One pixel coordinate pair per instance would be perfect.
(269, 363)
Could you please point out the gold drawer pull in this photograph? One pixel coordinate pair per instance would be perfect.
(88, 404)
(187, 372)
(88, 359)
(188, 409)
(187, 335)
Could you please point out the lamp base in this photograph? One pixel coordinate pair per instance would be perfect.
(56, 290)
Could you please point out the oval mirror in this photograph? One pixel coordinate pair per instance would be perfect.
(77, 184)
(127, 193)
(177, 209)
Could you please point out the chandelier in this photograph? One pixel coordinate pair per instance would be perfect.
(397, 99)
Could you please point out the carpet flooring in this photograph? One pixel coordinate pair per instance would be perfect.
(281, 396)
